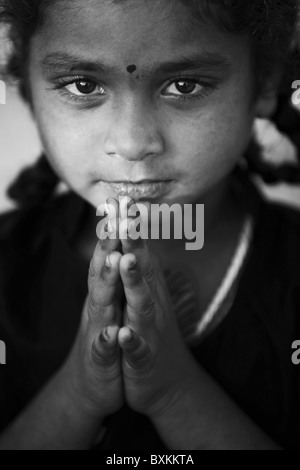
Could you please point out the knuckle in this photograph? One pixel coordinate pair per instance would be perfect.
(148, 306)
(103, 274)
(97, 355)
(134, 364)
(150, 274)
(140, 359)
(141, 354)
(93, 305)
(108, 279)
(90, 284)
(102, 355)
(92, 271)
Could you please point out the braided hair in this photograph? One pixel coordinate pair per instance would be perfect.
(272, 27)
(35, 184)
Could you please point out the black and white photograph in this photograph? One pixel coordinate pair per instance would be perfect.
(149, 227)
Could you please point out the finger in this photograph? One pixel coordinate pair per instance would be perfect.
(130, 235)
(103, 292)
(134, 234)
(126, 203)
(140, 301)
(108, 228)
(102, 249)
(136, 351)
(140, 248)
(113, 208)
(130, 231)
(130, 208)
(105, 348)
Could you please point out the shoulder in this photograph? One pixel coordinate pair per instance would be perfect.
(28, 220)
(25, 232)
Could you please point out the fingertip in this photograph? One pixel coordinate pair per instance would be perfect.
(125, 204)
(104, 349)
(127, 337)
(125, 334)
(128, 264)
(114, 259)
(111, 268)
(136, 352)
(123, 230)
(109, 335)
(112, 332)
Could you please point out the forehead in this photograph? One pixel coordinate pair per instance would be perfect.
(131, 31)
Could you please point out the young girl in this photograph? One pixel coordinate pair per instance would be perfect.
(165, 348)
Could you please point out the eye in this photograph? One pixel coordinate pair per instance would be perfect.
(84, 87)
(183, 87)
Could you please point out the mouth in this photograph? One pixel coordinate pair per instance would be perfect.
(140, 189)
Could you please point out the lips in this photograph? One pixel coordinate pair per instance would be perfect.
(144, 189)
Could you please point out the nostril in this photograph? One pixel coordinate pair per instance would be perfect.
(133, 141)
(129, 158)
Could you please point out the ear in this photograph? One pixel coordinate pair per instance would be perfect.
(266, 104)
(267, 100)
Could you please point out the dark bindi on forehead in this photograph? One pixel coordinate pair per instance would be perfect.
(131, 68)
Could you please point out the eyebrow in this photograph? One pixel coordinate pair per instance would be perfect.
(205, 61)
(62, 61)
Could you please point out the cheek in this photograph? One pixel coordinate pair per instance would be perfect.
(66, 143)
(213, 141)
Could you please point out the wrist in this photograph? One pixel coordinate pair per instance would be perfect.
(77, 399)
(181, 395)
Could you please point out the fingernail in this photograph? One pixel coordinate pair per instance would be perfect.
(132, 265)
(108, 261)
(106, 207)
(130, 203)
(110, 227)
(104, 338)
(131, 226)
(129, 337)
(110, 201)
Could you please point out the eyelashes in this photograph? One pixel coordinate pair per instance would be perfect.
(188, 89)
(84, 90)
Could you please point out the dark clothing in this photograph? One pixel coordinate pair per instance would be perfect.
(43, 285)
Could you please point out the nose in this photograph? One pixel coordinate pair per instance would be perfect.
(133, 132)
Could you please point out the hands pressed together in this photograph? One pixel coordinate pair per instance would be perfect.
(132, 353)
(129, 350)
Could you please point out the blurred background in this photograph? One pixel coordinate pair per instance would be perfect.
(19, 140)
(20, 146)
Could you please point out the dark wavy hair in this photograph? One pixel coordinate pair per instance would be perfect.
(272, 28)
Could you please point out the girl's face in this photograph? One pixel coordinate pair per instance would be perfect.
(139, 97)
